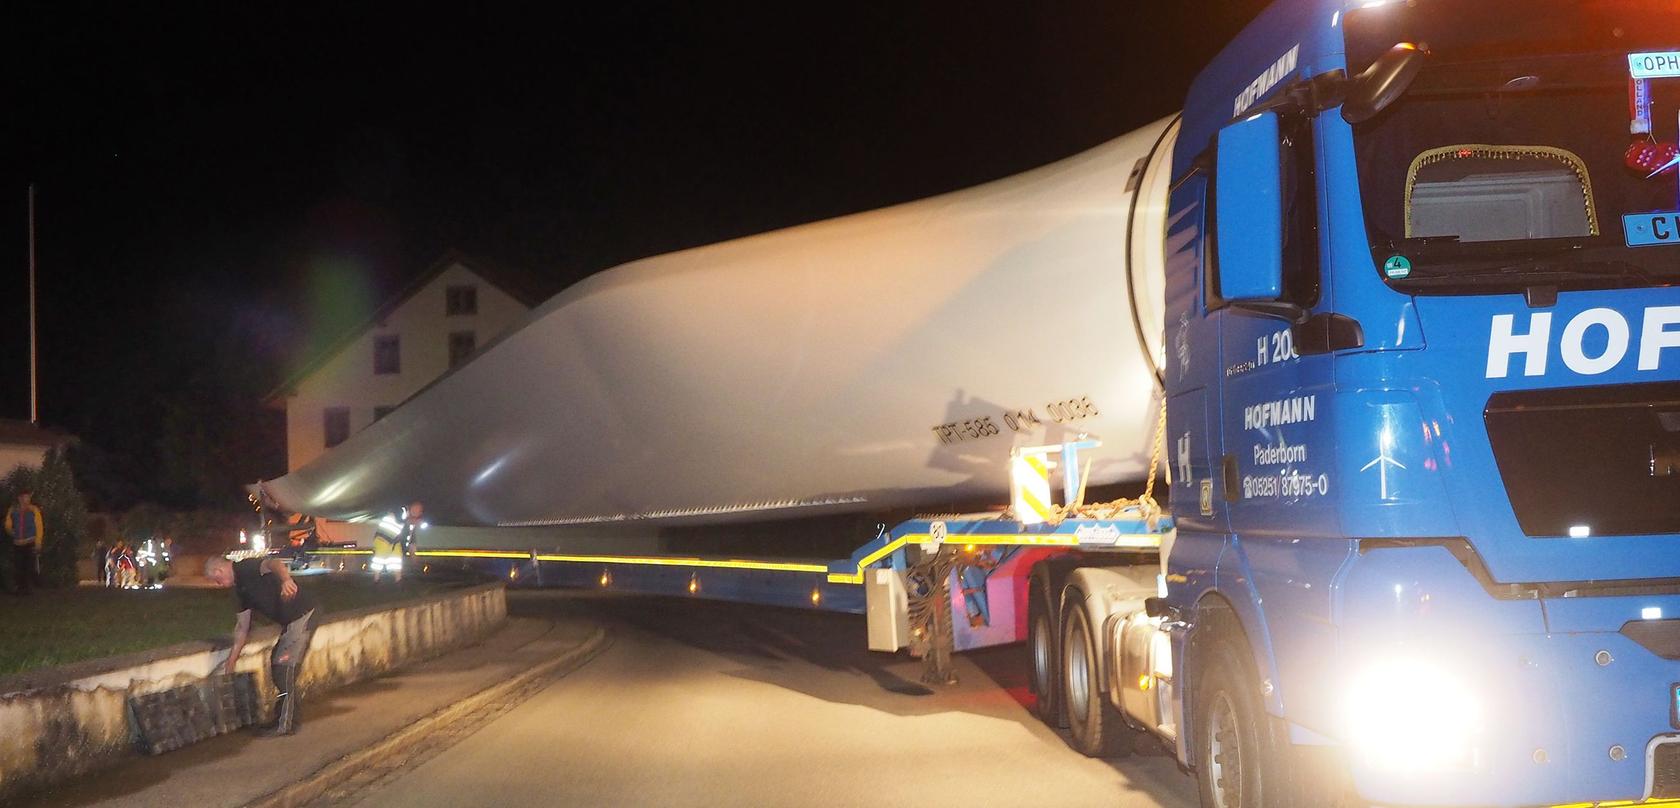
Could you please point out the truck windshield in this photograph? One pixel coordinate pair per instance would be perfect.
(1528, 155)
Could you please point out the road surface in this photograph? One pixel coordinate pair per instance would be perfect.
(702, 703)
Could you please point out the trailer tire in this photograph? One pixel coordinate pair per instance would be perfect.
(1097, 728)
(1043, 655)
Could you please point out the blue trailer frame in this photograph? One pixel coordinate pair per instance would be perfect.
(835, 586)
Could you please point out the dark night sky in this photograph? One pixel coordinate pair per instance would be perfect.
(254, 183)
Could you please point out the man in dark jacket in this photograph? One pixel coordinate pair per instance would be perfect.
(265, 586)
(101, 552)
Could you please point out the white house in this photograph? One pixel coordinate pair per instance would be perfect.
(25, 444)
(457, 306)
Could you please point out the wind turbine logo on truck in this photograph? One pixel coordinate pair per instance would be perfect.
(1383, 461)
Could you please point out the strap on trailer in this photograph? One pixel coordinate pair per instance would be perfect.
(930, 616)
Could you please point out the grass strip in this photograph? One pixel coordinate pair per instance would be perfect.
(58, 627)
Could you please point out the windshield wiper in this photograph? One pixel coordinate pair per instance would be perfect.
(1549, 265)
(1422, 241)
(1542, 269)
(1454, 248)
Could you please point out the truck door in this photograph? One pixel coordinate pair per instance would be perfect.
(1191, 373)
(1277, 463)
(1274, 466)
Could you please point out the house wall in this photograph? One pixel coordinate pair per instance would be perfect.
(12, 456)
(423, 328)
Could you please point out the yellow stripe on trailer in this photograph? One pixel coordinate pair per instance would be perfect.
(889, 549)
(988, 539)
(1617, 803)
(656, 561)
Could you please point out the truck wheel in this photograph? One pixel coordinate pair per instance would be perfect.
(1239, 762)
(1097, 728)
(1041, 644)
(1229, 720)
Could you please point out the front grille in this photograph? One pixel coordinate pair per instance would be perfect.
(1598, 461)
(1660, 637)
(1665, 771)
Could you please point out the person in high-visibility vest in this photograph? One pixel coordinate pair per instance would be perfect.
(394, 539)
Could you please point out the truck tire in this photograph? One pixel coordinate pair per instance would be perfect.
(1229, 722)
(1240, 761)
(1042, 658)
(1097, 728)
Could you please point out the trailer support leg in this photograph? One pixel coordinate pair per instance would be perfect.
(930, 611)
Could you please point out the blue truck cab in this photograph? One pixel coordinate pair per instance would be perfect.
(1423, 384)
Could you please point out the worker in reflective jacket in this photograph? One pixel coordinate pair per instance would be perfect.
(394, 539)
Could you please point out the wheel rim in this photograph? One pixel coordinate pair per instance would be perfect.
(1224, 762)
(1078, 677)
(1042, 656)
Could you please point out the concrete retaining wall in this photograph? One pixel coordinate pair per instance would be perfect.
(61, 722)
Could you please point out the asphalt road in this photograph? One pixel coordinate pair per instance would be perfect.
(700, 703)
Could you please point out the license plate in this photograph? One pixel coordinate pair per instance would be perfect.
(1662, 65)
(1651, 229)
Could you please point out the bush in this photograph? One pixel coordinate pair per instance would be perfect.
(63, 511)
(194, 532)
(205, 531)
(145, 522)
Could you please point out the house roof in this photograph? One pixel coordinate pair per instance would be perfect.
(523, 287)
(23, 433)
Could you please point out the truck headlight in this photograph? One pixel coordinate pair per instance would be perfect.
(1407, 714)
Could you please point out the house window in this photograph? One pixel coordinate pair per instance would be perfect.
(460, 300)
(387, 355)
(381, 412)
(337, 423)
(461, 347)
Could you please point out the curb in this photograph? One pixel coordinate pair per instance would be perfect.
(406, 738)
(39, 679)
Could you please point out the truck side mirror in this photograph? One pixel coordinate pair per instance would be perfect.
(1248, 210)
(1382, 83)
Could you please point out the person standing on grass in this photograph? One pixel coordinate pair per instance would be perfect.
(264, 585)
(113, 562)
(26, 530)
(101, 551)
(166, 559)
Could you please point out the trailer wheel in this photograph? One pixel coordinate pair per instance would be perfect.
(1097, 728)
(1229, 720)
(1041, 645)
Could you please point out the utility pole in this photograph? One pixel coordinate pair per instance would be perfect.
(34, 387)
